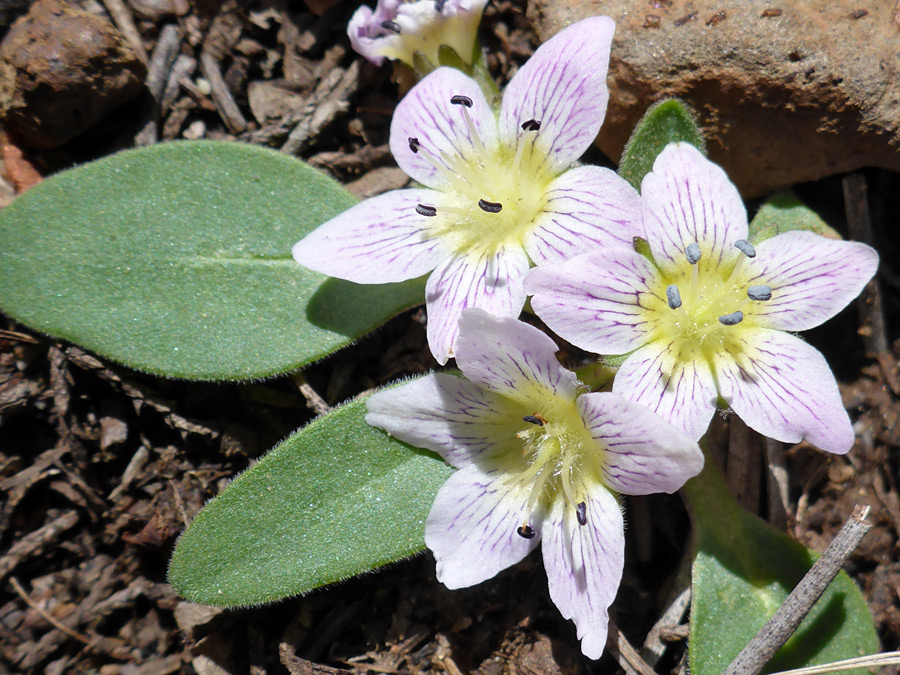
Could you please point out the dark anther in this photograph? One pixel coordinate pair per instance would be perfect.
(693, 253)
(439, 6)
(581, 513)
(759, 293)
(732, 319)
(392, 26)
(428, 211)
(490, 207)
(745, 247)
(526, 532)
(534, 419)
(414, 144)
(531, 125)
(673, 296)
(459, 99)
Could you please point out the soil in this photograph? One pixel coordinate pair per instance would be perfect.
(102, 467)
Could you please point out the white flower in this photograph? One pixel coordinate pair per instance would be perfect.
(706, 318)
(399, 28)
(539, 460)
(501, 193)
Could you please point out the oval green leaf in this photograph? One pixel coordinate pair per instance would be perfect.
(783, 212)
(336, 499)
(667, 121)
(743, 570)
(176, 260)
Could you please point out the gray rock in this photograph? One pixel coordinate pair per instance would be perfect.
(784, 91)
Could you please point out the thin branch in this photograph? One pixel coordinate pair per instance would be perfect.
(873, 661)
(622, 651)
(49, 618)
(794, 609)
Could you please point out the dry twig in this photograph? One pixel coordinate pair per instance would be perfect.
(623, 652)
(770, 638)
(121, 16)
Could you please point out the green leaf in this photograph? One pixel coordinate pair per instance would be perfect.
(667, 121)
(176, 259)
(784, 212)
(743, 570)
(336, 499)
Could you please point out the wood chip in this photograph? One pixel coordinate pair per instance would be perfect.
(36, 543)
(221, 95)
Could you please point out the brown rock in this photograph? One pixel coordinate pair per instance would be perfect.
(62, 70)
(784, 92)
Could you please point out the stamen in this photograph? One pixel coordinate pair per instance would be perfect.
(490, 207)
(745, 247)
(534, 419)
(693, 253)
(526, 532)
(392, 26)
(732, 319)
(427, 211)
(531, 125)
(673, 296)
(473, 133)
(581, 513)
(761, 293)
(414, 144)
(459, 99)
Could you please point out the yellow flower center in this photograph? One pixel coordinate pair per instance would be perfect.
(704, 309)
(559, 457)
(492, 198)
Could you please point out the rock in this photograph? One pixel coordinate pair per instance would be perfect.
(62, 70)
(784, 92)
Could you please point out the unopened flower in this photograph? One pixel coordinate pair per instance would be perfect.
(500, 193)
(397, 29)
(539, 460)
(705, 319)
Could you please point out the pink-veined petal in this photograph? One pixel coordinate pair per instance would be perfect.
(471, 528)
(584, 565)
(689, 199)
(588, 207)
(562, 86)
(784, 389)
(594, 300)
(458, 419)
(440, 128)
(812, 277)
(681, 392)
(380, 240)
(644, 454)
(367, 36)
(511, 357)
(493, 283)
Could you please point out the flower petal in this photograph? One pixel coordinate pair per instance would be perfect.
(594, 300)
(689, 199)
(681, 392)
(812, 277)
(644, 454)
(584, 565)
(587, 207)
(562, 86)
(784, 389)
(439, 126)
(512, 358)
(493, 283)
(471, 528)
(380, 240)
(461, 421)
(367, 37)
